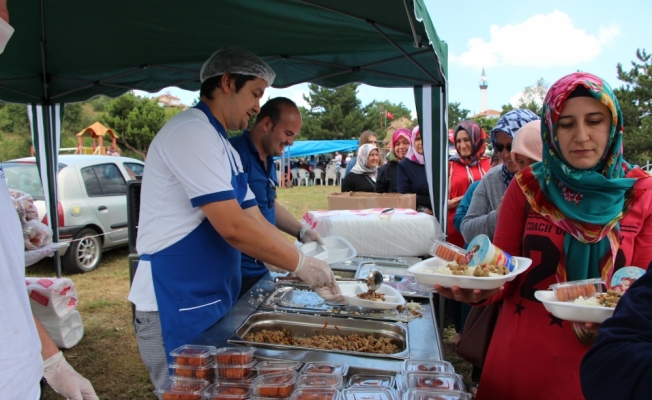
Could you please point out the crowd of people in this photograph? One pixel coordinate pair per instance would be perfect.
(560, 194)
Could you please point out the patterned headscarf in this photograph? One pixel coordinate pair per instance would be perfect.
(361, 166)
(412, 154)
(510, 123)
(478, 142)
(406, 133)
(586, 204)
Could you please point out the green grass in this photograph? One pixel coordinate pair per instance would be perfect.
(108, 354)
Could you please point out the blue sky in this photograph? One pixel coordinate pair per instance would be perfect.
(518, 42)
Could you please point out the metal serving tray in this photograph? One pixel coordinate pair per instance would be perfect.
(307, 325)
(303, 300)
(395, 275)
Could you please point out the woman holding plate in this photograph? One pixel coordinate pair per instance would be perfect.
(583, 212)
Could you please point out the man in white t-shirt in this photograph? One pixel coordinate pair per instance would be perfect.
(197, 215)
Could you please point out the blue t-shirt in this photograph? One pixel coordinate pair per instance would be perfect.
(262, 181)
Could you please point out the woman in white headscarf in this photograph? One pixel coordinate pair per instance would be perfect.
(363, 174)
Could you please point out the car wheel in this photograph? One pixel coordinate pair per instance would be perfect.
(84, 254)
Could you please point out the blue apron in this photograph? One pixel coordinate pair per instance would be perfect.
(197, 280)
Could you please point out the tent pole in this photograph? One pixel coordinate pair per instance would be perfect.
(417, 43)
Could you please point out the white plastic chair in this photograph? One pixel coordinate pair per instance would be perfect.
(295, 176)
(303, 176)
(319, 174)
(342, 174)
(331, 173)
(279, 177)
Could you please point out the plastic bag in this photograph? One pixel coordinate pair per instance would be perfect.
(24, 204)
(36, 234)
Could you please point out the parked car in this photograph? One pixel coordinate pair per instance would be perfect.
(92, 202)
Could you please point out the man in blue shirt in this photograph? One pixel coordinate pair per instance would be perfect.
(277, 125)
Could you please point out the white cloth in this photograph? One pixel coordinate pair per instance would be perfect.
(21, 365)
(187, 160)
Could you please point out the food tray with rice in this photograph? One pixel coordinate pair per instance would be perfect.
(284, 331)
(436, 271)
(579, 301)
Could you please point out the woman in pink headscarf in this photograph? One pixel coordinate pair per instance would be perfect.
(388, 173)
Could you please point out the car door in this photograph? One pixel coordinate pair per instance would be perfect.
(106, 194)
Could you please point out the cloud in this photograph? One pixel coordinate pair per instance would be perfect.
(541, 41)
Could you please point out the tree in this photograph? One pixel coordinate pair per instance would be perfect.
(135, 119)
(375, 114)
(72, 118)
(486, 123)
(635, 99)
(531, 98)
(332, 113)
(456, 114)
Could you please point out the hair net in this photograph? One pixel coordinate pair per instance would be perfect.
(236, 61)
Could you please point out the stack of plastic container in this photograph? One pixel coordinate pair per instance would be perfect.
(423, 378)
(192, 371)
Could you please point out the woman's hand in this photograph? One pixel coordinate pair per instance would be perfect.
(466, 295)
(453, 203)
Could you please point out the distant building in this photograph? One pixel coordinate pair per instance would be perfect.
(487, 114)
(167, 100)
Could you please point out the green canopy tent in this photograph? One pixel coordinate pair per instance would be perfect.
(63, 52)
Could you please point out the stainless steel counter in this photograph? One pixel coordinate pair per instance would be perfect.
(425, 341)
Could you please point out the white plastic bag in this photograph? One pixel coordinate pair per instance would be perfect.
(51, 297)
(67, 331)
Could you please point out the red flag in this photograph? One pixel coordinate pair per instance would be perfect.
(389, 115)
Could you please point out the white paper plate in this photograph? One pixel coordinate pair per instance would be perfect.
(569, 311)
(350, 290)
(464, 282)
(336, 249)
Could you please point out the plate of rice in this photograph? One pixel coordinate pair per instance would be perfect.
(435, 271)
(581, 309)
(385, 298)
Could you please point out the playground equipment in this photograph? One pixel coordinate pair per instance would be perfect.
(97, 132)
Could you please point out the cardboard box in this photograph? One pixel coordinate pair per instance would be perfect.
(364, 200)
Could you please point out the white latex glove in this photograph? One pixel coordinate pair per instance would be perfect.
(311, 236)
(66, 381)
(316, 273)
(330, 293)
(272, 268)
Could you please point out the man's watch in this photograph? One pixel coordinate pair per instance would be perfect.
(301, 232)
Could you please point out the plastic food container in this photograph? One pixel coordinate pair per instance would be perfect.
(334, 367)
(327, 381)
(193, 355)
(482, 251)
(187, 389)
(315, 394)
(234, 355)
(276, 366)
(275, 386)
(186, 371)
(432, 380)
(335, 249)
(371, 380)
(428, 366)
(226, 391)
(569, 291)
(448, 252)
(234, 371)
(368, 393)
(420, 394)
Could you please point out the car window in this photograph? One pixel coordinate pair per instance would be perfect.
(134, 170)
(103, 180)
(24, 176)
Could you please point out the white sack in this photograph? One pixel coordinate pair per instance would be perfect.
(51, 297)
(66, 331)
